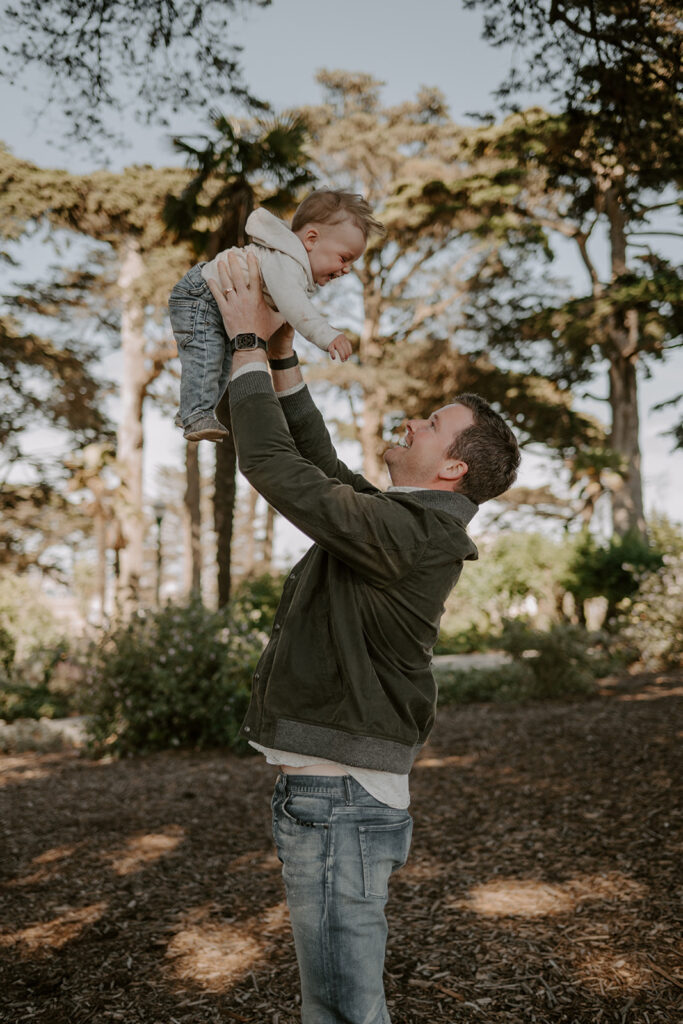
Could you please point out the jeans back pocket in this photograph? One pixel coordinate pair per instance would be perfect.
(384, 849)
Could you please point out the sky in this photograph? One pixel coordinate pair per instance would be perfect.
(405, 45)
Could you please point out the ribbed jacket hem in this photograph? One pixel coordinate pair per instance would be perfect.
(334, 745)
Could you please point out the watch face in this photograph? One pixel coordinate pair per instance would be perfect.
(245, 341)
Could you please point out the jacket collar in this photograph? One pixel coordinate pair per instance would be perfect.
(458, 505)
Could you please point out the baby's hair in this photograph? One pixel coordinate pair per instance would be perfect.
(331, 206)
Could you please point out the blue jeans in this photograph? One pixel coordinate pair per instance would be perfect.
(203, 346)
(338, 847)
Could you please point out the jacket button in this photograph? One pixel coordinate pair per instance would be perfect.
(276, 626)
(247, 728)
(256, 676)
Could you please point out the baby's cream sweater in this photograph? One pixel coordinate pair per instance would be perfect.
(285, 275)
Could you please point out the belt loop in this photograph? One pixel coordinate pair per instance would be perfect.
(347, 789)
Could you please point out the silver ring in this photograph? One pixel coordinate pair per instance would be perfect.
(226, 291)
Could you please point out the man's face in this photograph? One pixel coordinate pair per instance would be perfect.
(333, 249)
(420, 460)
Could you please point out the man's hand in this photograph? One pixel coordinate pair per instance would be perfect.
(340, 346)
(241, 302)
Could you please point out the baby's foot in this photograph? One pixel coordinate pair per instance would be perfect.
(207, 428)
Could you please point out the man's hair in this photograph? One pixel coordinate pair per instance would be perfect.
(331, 206)
(490, 450)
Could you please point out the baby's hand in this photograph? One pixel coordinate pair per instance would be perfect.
(340, 346)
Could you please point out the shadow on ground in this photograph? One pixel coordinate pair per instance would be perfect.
(543, 883)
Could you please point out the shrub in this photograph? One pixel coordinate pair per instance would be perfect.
(465, 641)
(653, 620)
(612, 570)
(564, 661)
(176, 677)
(34, 687)
(509, 682)
(255, 600)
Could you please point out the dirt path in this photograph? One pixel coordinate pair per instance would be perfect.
(543, 884)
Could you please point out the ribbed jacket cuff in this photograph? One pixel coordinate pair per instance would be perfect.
(298, 405)
(255, 383)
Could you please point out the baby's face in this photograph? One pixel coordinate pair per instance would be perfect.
(332, 248)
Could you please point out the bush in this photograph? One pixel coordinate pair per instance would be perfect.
(177, 677)
(613, 570)
(34, 688)
(465, 641)
(653, 620)
(564, 661)
(255, 600)
(509, 682)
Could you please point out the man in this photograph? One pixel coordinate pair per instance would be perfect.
(343, 697)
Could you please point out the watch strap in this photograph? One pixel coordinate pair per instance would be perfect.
(284, 364)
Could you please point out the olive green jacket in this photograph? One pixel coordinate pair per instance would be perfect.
(346, 674)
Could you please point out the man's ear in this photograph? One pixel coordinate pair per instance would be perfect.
(453, 470)
(310, 237)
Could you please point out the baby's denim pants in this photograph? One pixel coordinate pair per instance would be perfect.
(338, 846)
(203, 346)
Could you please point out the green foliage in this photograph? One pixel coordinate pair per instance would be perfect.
(255, 600)
(611, 570)
(26, 620)
(500, 684)
(511, 569)
(563, 661)
(177, 677)
(652, 619)
(464, 641)
(34, 662)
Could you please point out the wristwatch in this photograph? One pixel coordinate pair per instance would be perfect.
(248, 343)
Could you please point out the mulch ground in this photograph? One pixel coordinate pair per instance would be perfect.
(543, 884)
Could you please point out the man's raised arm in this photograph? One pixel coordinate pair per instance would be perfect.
(242, 308)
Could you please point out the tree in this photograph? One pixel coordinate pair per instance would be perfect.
(550, 173)
(238, 164)
(409, 292)
(609, 158)
(122, 210)
(151, 57)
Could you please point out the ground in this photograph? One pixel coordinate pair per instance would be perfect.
(542, 885)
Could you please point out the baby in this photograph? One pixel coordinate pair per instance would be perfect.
(329, 233)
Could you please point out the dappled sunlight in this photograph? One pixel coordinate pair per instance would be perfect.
(53, 934)
(458, 760)
(248, 862)
(21, 769)
(516, 897)
(141, 850)
(47, 863)
(651, 693)
(610, 972)
(216, 953)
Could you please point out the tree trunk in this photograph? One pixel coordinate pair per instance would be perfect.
(371, 434)
(627, 496)
(224, 502)
(268, 539)
(249, 539)
(129, 501)
(192, 522)
(100, 527)
(374, 397)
